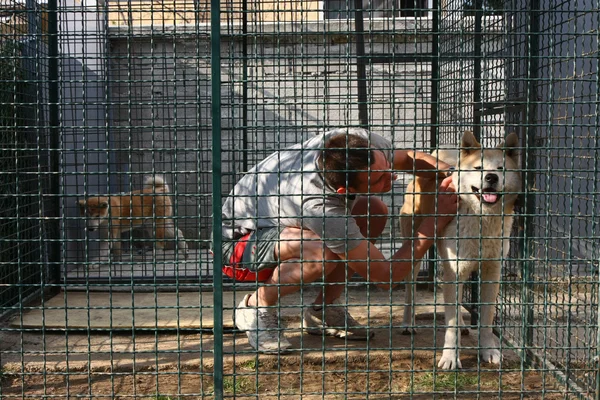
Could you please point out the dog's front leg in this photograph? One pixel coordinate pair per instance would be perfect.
(490, 351)
(452, 299)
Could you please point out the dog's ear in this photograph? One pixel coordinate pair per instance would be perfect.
(103, 204)
(468, 143)
(510, 145)
(81, 206)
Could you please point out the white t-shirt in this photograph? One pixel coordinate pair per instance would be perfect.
(287, 189)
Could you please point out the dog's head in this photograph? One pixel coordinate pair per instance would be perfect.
(95, 211)
(488, 178)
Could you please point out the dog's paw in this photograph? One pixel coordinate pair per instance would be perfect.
(490, 352)
(449, 360)
(491, 356)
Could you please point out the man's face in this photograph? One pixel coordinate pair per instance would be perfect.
(377, 178)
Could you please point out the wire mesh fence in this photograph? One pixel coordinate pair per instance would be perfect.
(132, 141)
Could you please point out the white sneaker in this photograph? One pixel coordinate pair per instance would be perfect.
(261, 326)
(334, 320)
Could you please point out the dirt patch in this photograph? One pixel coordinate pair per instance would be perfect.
(158, 363)
(396, 375)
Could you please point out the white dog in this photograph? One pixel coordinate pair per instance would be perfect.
(487, 181)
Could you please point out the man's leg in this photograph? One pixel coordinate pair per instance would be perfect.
(302, 258)
(371, 216)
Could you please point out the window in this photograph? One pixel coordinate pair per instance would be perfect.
(342, 9)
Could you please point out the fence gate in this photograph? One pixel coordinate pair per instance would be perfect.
(152, 111)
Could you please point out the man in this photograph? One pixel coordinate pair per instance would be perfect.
(304, 213)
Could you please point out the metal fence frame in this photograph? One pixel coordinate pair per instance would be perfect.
(577, 380)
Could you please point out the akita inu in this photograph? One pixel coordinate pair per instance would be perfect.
(488, 182)
(149, 208)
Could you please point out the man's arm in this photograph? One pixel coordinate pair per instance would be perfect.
(420, 164)
(369, 262)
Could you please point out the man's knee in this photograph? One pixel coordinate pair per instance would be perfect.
(371, 215)
(302, 244)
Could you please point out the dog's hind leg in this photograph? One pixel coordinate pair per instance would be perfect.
(161, 233)
(182, 243)
(408, 320)
(115, 241)
(167, 231)
(407, 224)
(453, 289)
(490, 273)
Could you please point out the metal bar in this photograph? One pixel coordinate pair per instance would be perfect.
(245, 85)
(477, 132)
(477, 71)
(215, 16)
(401, 58)
(434, 114)
(54, 255)
(594, 207)
(529, 161)
(361, 72)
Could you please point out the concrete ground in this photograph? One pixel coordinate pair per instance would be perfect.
(124, 331)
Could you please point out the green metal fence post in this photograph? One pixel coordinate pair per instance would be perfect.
(54, 253)
(434, 117)
(361, 69)
(215, 18)
(594, 207)
(477, 60)
(530, 118)
(245, 138)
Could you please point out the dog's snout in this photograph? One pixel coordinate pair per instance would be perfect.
(491, 178)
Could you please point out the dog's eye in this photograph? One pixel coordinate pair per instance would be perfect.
(478, 168)
(500, 168)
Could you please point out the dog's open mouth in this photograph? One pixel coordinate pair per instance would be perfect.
(488, 195)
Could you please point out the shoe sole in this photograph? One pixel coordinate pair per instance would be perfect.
(276, 352)
(337, 333)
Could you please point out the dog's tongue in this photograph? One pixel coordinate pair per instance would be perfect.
(490, 197)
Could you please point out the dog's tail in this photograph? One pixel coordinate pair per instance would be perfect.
(156, 182)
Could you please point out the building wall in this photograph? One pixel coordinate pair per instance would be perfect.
(297, 85)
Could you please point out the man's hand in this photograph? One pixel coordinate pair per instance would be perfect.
(421, 164)
(447, 203)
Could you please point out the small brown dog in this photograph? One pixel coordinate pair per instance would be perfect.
(149, 208)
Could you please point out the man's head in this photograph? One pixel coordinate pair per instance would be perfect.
(350, 165)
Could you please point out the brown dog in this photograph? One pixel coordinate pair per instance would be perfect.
(149, 208)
